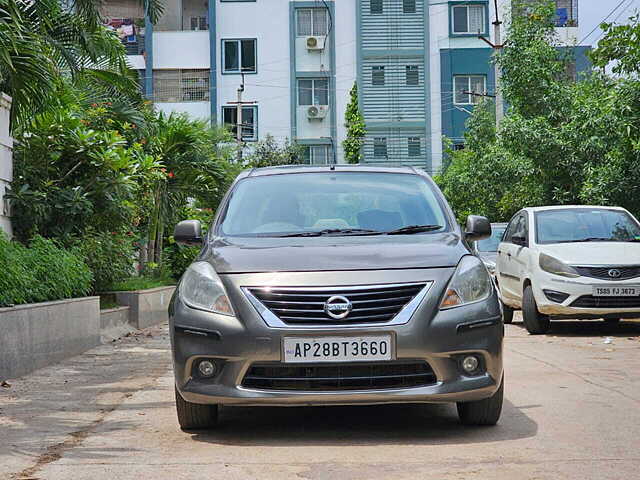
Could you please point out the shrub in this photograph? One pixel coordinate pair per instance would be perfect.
(42, 272)
(110, 256)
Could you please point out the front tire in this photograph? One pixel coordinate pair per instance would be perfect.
(507, 314)
(482, 412)
(535, 322)
(194, 416)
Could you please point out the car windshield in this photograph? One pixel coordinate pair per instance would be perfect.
(332, 203)
(491, 244)
(585, 225)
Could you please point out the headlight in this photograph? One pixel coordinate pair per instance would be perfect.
(491, 267)
(470, 283)
(557, 267)
(202, 289)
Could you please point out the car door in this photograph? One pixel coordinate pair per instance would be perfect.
(520, 255)
(507, 271)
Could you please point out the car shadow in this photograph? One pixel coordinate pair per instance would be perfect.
(591, 328)
(398, 424)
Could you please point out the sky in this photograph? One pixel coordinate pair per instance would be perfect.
(592, 12)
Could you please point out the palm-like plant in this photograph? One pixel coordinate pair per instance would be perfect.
(191, 154)
(43, 44)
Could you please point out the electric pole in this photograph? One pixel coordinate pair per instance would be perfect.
(498, 74)
(239, 124)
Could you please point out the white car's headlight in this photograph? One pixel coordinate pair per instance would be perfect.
(202, 289)
(470, 283)
(491, 267)
(557, 267)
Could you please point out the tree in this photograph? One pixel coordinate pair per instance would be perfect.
(268, 152)
(354, 121)
(43, 43)
(619, 48)
(562, 141)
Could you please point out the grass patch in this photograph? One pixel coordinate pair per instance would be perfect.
(142, 283)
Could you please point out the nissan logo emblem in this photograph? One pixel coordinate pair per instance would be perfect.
(614, 273)
(338, 307)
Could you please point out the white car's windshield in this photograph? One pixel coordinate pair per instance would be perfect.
(333, 203)
(585, 225)
(491, 244)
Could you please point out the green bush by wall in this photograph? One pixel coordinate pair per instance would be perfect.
(41, 272)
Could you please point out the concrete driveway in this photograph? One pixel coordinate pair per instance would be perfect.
(572, 411)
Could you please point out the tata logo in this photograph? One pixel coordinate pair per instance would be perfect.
(338, 307)
(614, 273)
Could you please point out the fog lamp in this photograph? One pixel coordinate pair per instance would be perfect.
(470, 364)
(207, 368)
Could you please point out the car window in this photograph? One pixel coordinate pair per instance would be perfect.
(491, 244)
(521, 228)
(511, 228)
(585, 225)
(274, 205)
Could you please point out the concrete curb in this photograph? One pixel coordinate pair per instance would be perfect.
(114, 323)
(33, 336)
(148, 307)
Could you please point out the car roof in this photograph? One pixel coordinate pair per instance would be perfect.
(564, 207)
(286, 169)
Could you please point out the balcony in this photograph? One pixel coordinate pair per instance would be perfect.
(184, 15)
(566, 13)
(126, 19)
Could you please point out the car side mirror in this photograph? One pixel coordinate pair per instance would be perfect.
(188, 232)
(518, 240)
(477, 228)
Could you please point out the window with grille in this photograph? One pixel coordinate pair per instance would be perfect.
(239, 55)
(199, 23)
(566, 13)
(377, 75)
(412, 75)
(468, 19)
(313, 91)
(468, 89)
(317, 155)
(375, 7)
(408, 6)
(312, 21)
(414, 147)
(249, 119)
(177, 86)
(380, 147)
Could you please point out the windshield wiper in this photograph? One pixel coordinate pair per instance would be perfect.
(333, 231)
(589, 239)
(410, 229)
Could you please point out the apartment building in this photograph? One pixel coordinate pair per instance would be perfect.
(412, 60)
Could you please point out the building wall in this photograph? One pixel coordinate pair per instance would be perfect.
(6, 163)
(357, 42)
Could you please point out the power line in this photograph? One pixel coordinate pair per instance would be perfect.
(602, 21)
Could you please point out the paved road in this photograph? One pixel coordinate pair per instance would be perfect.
(572, 411)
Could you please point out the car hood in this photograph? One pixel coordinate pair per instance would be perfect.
(595, 253)
(249, 255)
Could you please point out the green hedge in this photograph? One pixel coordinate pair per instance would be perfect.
(41, 272)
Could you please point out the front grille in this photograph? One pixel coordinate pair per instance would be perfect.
(626, 272)
(378, 303)
(589, 301)
(331, 377)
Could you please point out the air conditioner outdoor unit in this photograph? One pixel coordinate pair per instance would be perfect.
(317, 112)
(316, 43)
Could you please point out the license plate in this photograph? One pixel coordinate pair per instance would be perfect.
(364, 348)
(616, 291)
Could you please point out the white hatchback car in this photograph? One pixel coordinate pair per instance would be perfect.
(580, 262)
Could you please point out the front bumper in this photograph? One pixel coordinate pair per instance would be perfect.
(437, 337)
(577, 288)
